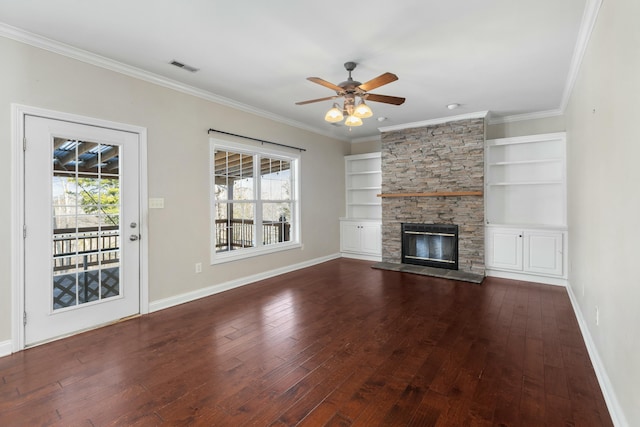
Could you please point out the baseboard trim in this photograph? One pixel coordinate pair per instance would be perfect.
(362, 257)
(615, 410)
(6, 348)
(527, 277)
(221, 287)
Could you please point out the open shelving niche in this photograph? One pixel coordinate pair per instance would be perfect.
(525, 181)
(363, 179)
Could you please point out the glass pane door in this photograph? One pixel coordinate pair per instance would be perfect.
(86, 222)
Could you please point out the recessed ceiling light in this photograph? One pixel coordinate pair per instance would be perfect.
(382, 119)
(453, 106)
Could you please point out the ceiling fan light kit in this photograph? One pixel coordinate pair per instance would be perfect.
(334, 115)
(350, 90)
(353, 121)
(362, 110)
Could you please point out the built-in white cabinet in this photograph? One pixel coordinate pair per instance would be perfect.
(525, 208)
(529, 251)
(360, 230)
(360, 238)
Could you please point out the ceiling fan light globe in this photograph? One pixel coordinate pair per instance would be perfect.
(334, 115)
(362, 111)
(353, 121)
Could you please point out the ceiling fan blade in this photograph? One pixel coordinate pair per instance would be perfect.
(381, 80)
(395, 100)
(325, 83)
(317, 100)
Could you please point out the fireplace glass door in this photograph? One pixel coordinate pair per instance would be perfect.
(432, 245)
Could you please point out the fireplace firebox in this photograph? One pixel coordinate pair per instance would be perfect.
(431, 245)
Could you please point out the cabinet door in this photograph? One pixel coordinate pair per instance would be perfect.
(349, 237)
(544, 252)
(370, 238)
(504, 248)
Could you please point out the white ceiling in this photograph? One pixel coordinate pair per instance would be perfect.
(509, 57)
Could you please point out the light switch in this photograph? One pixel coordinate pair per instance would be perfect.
(156, 203)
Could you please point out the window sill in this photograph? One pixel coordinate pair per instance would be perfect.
(223, 257)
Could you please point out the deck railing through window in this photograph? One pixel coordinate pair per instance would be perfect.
(239, 233)
(94, 246)
(86, 264)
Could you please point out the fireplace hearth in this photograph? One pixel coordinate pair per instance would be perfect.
(430, 245)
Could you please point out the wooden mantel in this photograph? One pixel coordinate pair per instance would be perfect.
(435, 194)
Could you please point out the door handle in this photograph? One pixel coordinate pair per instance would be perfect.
(134, 237)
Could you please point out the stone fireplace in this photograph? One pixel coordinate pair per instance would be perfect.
(440, 158)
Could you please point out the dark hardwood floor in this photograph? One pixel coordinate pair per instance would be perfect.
(337, 344)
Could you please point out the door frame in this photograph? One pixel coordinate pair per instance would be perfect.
(18, 113)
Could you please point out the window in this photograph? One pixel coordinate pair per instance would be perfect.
(255, 201)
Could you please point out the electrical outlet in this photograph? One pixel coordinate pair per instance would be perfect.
(597, 316)
(198, 267)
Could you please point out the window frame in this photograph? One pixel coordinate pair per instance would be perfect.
(295, 221)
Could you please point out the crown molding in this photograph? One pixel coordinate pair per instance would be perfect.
(431, 122)
(69, 51)
(589, 18)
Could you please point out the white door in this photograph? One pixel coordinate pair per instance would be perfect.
(81, 207)
(350, 237)
(504, 248)
(543, 252)
(371, 238)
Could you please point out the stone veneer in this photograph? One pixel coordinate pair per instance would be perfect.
(441, 157)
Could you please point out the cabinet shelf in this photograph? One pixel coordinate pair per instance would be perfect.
(524, 183)
(525, 162)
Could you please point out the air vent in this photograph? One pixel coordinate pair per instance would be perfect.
(184, 66)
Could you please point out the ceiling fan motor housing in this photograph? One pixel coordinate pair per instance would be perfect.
(350, 85)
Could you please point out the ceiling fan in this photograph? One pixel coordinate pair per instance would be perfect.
(351, 89)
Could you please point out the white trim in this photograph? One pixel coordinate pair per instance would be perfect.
(376, 258)
(589, 19)
(17, 221)
(613, 404)
(232, 284)
(17, 199)
(5, 348)
(545, 280)
(526, 116)
(69, 51)
(431, 122)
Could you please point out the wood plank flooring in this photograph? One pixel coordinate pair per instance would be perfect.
(337, 344)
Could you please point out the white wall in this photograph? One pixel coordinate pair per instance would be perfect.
(526, 127)
(603, 137)
(178, 152)
(373, 145)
